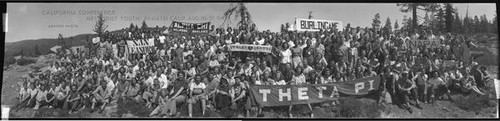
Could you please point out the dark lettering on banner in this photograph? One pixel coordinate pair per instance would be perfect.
(190, 28)
(250, 48)
(283, 95)
(316, 24)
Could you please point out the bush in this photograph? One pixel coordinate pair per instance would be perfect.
(475, 102)
(9, 60)
(25, 61)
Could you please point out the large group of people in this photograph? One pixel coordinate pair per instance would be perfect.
(200, 70)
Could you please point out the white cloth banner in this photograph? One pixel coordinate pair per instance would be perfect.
(141, 46)
(302, 24)
(497, 87)
(250, 48)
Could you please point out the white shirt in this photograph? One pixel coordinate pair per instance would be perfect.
(193, 86)
(163, 78)
(162, 39)
(261, 41)
(287, 56)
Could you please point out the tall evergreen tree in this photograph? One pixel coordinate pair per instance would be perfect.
(484, 24)
(144, 25)
(457, 24)
(100, 26)
(440, 20)
(388, 24)
(449, 17)
(413, 7)
(396, 25)
(376, 22)
(131, 27)
(476, 25)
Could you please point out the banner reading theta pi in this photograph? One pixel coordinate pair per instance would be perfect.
(283, 95)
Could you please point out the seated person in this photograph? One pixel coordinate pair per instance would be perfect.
(197, 93)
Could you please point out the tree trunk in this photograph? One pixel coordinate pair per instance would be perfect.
(414, 12)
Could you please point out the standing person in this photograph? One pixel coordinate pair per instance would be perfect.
(196, 93)
(299, 79)
(297, 55)
(422, 86)
(286, 56)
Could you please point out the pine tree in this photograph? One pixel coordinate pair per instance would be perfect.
(440, 20)
(131, 27)
(449, 17)
(427, 21)
(457, 24)
(388, 24)
(376, 22)
(484, 24)
(100, 26)
(476, 25)
(396, 25)
(144, 25)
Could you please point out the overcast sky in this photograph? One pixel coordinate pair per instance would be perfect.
(47, 20)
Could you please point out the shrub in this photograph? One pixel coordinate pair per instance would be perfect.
(25, 61)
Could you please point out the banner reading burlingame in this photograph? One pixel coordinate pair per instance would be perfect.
(302, 24)
(190, 28)
(250, 48)
(141, 46)
(283, 95)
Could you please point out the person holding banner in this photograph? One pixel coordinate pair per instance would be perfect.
(299, 79)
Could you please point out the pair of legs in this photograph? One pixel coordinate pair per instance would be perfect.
(99, 99)
(172, 104)
(150, 98)
(404, 97)
(193, 100)
(308, 105)
(73, 106)
(422, 92)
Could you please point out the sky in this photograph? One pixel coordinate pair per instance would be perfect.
(47, 20)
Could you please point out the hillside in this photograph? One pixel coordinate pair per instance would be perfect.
(29, 46)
